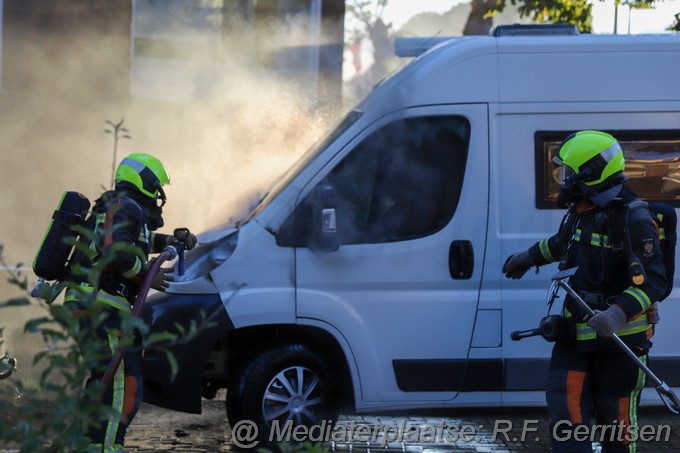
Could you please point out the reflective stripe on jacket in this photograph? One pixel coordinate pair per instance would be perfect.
(84, 291)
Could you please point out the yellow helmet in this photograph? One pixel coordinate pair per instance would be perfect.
(145, 172)
(591, 158)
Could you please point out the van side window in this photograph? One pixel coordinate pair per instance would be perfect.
(402, 182)
(652, 165)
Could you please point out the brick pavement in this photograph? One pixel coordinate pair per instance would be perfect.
(156, 430)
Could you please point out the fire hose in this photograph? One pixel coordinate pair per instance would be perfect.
(169, 253)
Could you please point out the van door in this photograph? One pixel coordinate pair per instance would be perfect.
(403, 287)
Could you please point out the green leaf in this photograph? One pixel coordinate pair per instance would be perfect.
(18, 280)
(15, 302)
(173, 364)
(53, 334)
(33, 325)
(160, 337)
(180, 328)
(39, 356)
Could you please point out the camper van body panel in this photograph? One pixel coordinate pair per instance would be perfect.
(463, 70)
(256, 283)
(396, 300)
(515, 191)
(588, 69)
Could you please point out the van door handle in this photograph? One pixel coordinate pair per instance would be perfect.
(461, 260)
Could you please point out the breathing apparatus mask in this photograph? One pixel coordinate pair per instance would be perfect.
(152, 198)
(570, 189)
(573, 189)
(153, 207)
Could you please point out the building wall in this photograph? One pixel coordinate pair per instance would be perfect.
(44, 40)
(56, 35)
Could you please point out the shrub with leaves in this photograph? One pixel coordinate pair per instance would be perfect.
(55, 413)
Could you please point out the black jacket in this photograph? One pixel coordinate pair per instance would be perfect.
(120, 220)
(591, 239)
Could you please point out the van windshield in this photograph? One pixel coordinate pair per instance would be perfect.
(316, 149)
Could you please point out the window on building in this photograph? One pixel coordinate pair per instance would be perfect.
(652, 165)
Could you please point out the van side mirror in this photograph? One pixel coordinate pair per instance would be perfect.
(313, 223)
(324, 231)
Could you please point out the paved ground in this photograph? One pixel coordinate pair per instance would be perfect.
(156, 430)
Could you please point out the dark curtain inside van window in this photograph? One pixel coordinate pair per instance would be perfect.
(403, 182)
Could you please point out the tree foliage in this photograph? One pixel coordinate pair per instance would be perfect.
(676, 25)
(369, 14)
(370, 25)
(369, 17)
(577, 12)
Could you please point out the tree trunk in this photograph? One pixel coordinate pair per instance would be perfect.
(476, 23)
(383, 47)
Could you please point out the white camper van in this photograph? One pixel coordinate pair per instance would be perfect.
(370, 275)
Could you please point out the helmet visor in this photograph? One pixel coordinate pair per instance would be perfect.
(160, 197)
(567, 171)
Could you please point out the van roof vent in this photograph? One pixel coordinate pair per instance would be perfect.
(534, 29)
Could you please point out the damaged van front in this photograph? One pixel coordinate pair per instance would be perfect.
(171, 375)
(238, 289)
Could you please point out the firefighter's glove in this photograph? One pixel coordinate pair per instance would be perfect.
(162, 280)
(607, 322)
(517, 264)
(185, 236)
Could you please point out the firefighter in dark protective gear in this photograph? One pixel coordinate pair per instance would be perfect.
(587, 371)
(124, 222)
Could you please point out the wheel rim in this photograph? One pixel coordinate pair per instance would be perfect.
(296, 394)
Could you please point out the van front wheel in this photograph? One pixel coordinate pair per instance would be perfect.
(286, 384)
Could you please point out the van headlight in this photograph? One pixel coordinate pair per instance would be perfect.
(205, 257)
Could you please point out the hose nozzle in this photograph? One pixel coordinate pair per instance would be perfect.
(171, 249)
(176, 249)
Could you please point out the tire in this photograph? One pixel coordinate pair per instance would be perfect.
(282, 383)
(233, 406)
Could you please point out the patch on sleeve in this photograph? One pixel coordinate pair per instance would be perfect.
(648, 248)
